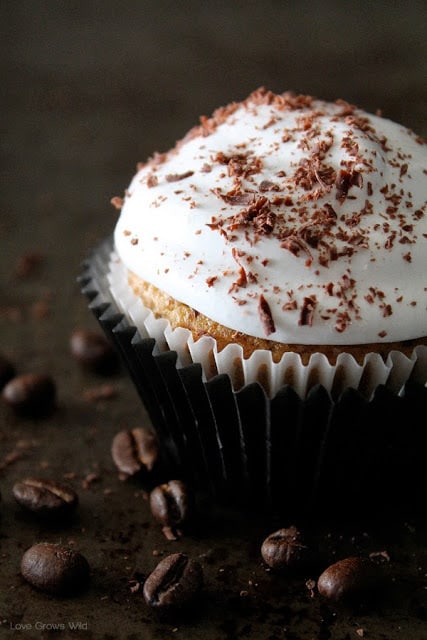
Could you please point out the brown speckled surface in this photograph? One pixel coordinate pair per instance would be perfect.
(88, 89)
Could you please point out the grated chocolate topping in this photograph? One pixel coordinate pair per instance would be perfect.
(316, 207)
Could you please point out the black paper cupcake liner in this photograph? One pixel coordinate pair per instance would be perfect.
(283, 454)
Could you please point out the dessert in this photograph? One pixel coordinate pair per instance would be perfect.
(288, 224)
(266, 288)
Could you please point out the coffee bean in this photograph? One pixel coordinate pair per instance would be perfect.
(45, 497)
(283, 549)
(55, 568)
(348, 579)
(94, 352)
(174, 583)
(7, 371)
(30, 394)
(170, 505)
(135, 451)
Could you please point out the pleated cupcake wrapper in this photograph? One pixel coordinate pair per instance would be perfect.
(366, 377)
(295, 448)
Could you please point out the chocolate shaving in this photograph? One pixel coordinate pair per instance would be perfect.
(175, 177)
(259, 214)
(294, 244)
(264, 222)
(345, 180)
(235, 199)
(267, 185)
(343, 320)
(403, 170)
(266, 316)
(307, 312)
(240, 164)
(311, 172)
(242, 280)
(211, 280)
(117, 202)
(152, 181)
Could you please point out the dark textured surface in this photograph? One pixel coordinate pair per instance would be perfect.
(88, 89)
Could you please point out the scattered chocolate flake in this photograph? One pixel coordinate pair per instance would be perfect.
(342, 321)
(175, 177)
(290, 306)
(155, 160)
(211, 280)
(240, 164)
(242, 279)
(312, 172)
(264, 222)
(403, 169)
(267, 185)
(117, 202)
(344, 181)
(362, 123)
(347, 109)
(307, 311)
(390, 241)
(235, 199)
(266, 316)
(272, 121)
(152, 180)
(294, 244)
(258, 213)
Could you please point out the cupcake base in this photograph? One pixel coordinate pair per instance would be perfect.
(285, 454)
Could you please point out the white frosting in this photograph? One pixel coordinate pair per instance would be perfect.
(316, 211)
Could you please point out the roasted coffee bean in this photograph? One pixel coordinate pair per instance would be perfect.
(45, 497)
(55, 568)
(94, 352)
(135, 451)
(349, 579)
(174, 583)
(7, 371)
(283, 549)
(30, 394)
(170, 505)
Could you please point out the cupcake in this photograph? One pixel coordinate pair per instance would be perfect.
(266, 287)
